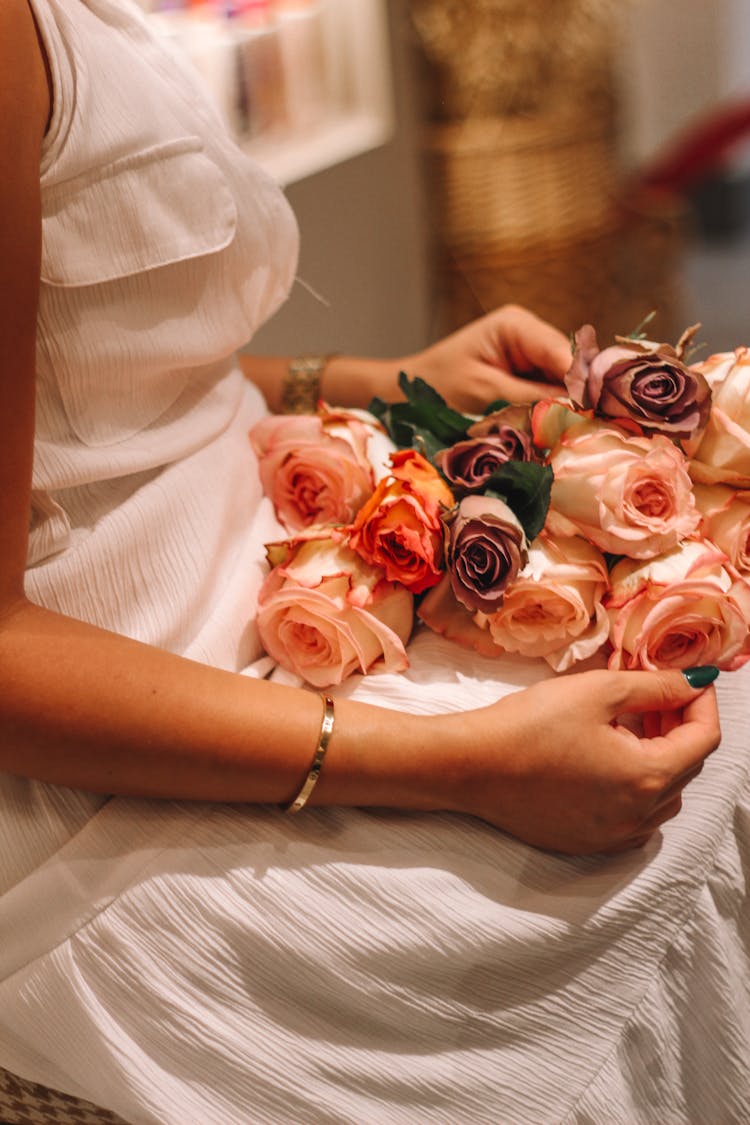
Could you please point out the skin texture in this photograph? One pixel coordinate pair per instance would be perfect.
(546, 765)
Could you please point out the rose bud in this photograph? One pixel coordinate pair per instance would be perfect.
(486, 550)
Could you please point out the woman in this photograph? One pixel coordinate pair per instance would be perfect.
(184, 961)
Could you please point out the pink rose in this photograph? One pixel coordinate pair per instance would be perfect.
(324, 614)
(725, 520)
(680, 610)
(723, 454)
(440, 612)
(627, 494)
(640, 382)
(486, 550)
(314, 467)
(554, 608)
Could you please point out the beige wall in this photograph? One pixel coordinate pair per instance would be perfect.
(678, 59)
(363, 244)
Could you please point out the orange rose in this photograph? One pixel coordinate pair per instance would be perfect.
(399, 528)
(415, 470)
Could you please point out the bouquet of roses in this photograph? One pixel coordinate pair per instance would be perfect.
(613, 519)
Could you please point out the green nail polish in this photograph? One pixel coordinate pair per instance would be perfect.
(701, 676)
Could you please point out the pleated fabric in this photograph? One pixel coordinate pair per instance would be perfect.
(206, 964)
(198, 964)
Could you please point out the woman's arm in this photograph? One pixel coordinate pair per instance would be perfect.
(509, 353)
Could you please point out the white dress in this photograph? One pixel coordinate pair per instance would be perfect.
(197, 964)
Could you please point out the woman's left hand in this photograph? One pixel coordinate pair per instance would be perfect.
(508, 354)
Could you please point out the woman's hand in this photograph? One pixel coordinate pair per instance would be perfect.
(555, 767)
(509, 353)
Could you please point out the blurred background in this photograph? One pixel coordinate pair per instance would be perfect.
(587, 158)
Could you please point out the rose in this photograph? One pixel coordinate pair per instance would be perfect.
(399, 528)
(723, 454)
(639, 382)
(554, 608)
(486, 550)
(313, 466)
(725, 520)
(680, 610)
(627, 494)
(324, 614)
(496, 439)
(416, 471)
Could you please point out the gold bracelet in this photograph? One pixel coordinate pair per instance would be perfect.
(326, 730)
(301, 389)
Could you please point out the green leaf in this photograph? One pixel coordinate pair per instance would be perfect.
(638, 333)
(498, 404)
(424, 422)
(525, 486)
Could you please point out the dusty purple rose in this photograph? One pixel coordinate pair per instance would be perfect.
(486, 550)
(643, 382)
(491, 442)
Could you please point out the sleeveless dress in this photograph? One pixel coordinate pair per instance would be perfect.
(200, 964)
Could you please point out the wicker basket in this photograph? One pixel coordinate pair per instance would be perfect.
(488, 58)
(611, 277)
(504, 184)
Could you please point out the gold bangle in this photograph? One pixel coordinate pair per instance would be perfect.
(326, 730)
(301, 389)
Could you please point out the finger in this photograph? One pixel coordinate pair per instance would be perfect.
(533, 343)
(683, 780)
(661, 691)
(659, 723)
(666, 810)
(698, 735)
(629, 845)
(520, 389)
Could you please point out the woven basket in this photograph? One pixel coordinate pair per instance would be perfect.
(611, 277)
(503, 184)
(504, 57)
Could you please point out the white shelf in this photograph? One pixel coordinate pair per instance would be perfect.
(331, 143)
(360, 117)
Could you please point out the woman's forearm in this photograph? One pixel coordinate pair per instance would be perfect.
(86, 708)
(345, 380)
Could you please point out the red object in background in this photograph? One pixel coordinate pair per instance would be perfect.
(702, 150)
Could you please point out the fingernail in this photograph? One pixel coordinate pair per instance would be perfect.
(701, 676)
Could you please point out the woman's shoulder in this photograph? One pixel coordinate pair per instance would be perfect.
(25, 88)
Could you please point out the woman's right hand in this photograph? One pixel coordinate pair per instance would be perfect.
(553, 766)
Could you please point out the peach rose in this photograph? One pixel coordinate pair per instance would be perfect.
(725, 520)
(314, 467)
(554, 608)
(324, 614)
(723, 454)
(627, 494)
(399, 528)
(680, 610)
(440, 612)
